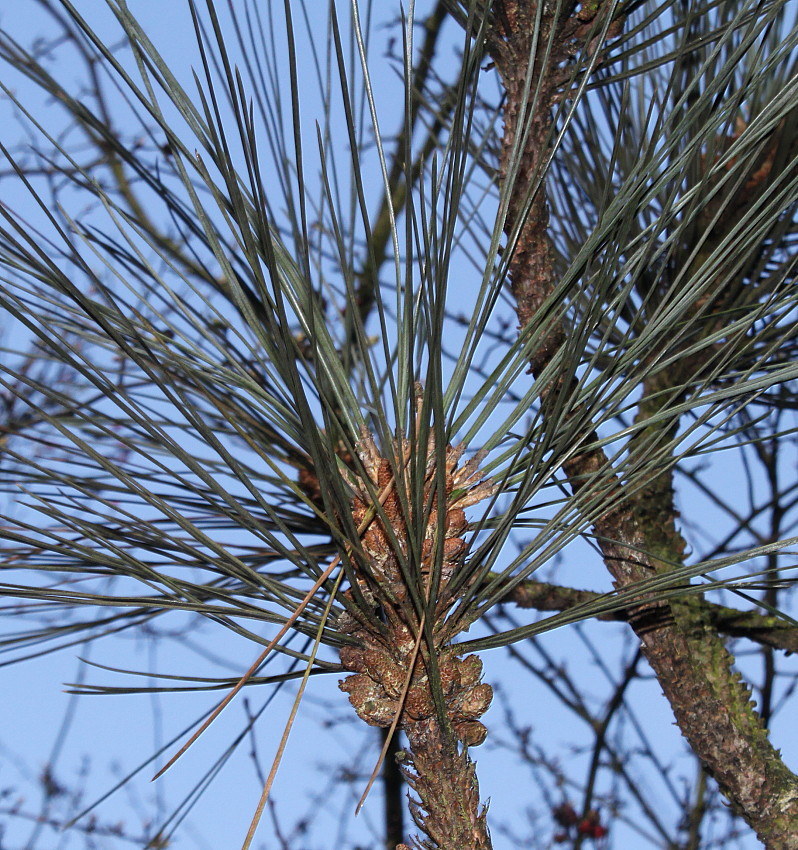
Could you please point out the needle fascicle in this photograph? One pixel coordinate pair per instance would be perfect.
(267, 786)
(262, 657)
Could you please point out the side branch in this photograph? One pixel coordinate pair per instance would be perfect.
(763, 629)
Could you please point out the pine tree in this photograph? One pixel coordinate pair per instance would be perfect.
(275, 367)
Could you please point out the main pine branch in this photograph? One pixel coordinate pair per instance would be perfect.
(638, 536)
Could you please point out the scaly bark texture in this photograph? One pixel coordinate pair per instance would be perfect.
(712, 705)
(404, 662)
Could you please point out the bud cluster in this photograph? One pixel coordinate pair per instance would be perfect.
(380, 658)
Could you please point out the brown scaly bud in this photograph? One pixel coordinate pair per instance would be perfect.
(470, 669)
(352, 659)
(369, 700)
(474, 702)
(383, 669)
(419, 704)
(471, 732)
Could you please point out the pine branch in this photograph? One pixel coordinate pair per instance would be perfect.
(712, 706)
(764, 629)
